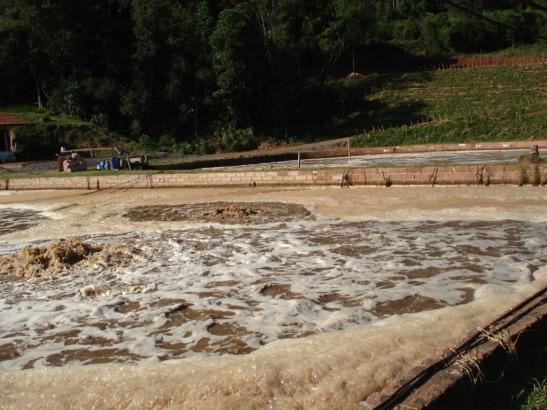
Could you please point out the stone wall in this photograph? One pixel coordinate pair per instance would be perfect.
(452, 175)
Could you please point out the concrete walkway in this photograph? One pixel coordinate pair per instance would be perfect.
(402, 160)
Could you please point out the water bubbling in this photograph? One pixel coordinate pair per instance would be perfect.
(18, 219)
(334, 370)
(219, 290)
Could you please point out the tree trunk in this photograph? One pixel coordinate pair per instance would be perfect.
(39, 92)
(39, 96)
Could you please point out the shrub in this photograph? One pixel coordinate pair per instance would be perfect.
(182, 148)
(523, 177)
(147, 143)
(42, 140)
(166, 142)
(536, 177)
(202, 147)
(230, 139)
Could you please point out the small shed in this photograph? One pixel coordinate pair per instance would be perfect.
(8, 125)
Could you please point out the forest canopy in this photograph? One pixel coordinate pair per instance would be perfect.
(192, 68)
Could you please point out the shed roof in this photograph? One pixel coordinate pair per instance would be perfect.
(8, 119)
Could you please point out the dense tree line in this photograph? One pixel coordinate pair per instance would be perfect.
(189, 68)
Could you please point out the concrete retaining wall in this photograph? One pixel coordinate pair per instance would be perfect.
(445, 382)
(409, 149)
(480, 146)
(452, 175)
(307, 152)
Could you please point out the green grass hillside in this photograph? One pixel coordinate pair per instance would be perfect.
(453, 105)
(450, 105)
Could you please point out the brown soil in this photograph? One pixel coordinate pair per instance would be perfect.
(60, 256)
(223, 212)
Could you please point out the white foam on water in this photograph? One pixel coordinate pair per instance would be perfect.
(258, 285)
(46, 210)
(328, 371)
(363, 340)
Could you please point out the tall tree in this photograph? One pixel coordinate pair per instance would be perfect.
(239, 62)
(39, 31)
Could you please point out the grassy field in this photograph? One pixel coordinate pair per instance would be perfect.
(32, 113)
(448, 105)
(539, 48)
(6, 174)
(452, 105)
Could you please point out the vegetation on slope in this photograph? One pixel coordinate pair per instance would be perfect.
(190, 71)
(453, 105)
(49, 130)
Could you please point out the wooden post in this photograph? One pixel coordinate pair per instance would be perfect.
(12, 140)
(6, 142)
(349, 149)
(298, 159)
(534, 153)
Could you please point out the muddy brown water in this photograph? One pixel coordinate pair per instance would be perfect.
(223, 212)
(207, 299)
(12, 219)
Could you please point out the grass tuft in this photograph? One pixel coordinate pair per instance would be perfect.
(523, 177)
(537, 399)
(470, 365)
(536, 176)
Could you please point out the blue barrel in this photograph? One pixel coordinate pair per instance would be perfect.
(115, 163)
